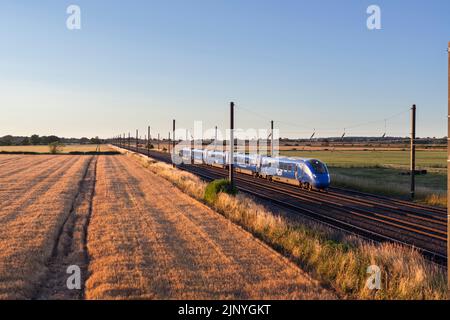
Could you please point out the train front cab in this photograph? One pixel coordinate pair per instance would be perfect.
(306, 173)
(317, 173)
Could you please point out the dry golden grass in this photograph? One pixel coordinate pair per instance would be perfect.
(36, 195)
(333, 257)
(439, 200)
(66, 149)
(149, 240)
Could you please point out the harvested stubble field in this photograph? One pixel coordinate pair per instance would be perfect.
(65, 149)
(36, 195)
(132, 233)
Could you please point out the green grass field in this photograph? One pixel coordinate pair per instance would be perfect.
(400, 159)
(380, 172)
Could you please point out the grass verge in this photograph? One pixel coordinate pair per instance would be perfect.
(338, 260)
(214, 188)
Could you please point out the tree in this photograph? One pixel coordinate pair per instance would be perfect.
(84, 140)
(55, 147)
(52, 139)
(35, 140)
(25, 141)
(95, 140)
(6, 140)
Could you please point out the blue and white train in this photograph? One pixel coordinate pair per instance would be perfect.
(306, 173)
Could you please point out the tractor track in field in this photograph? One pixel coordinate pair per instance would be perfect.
(70, 247)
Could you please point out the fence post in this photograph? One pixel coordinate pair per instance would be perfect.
(173, 142)
(448, 176)
(231, 160)
(413, 151)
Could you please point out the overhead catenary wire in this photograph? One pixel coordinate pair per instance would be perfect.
(315, 129)
(317, 133)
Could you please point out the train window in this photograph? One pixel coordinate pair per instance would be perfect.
(317, 166)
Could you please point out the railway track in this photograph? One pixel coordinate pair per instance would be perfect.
(373, 217)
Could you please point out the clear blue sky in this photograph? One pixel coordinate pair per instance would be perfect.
(134, 63)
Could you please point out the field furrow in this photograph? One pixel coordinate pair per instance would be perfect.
(26, 165)
(4, 159)
(18, 193)
(30, 191)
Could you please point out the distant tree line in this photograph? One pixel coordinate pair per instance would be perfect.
(46, 140)
(35, 139)
(381, 140)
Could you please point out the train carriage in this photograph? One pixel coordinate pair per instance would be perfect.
(198, 156)
(186, 155)
(246, 163)
(216, 158)
(303, 172)
(268, 167)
